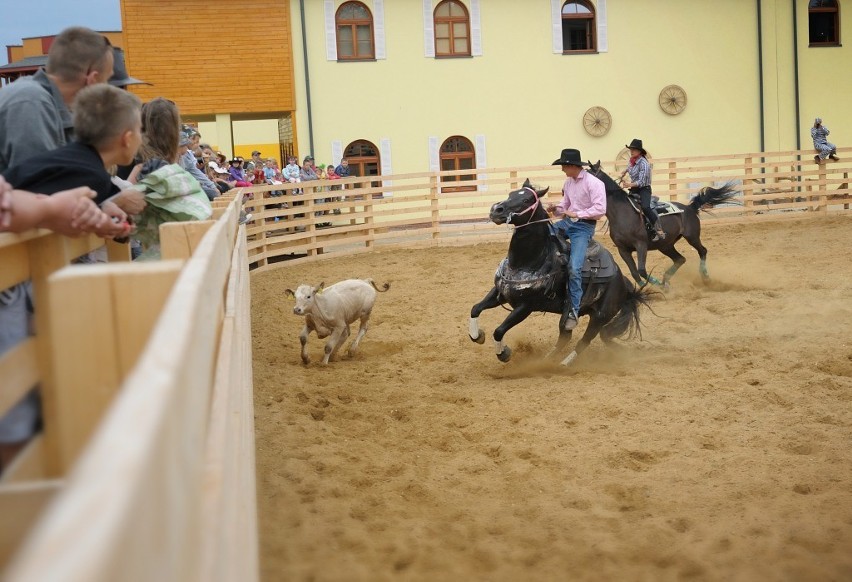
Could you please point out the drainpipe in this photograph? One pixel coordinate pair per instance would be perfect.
(796, 75)
(307, 78)
(760, 75)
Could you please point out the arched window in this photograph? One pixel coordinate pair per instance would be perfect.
(363, 159)
(578, 27)
(354, 32)
(457, 153)
(823, 23)
(452, 30)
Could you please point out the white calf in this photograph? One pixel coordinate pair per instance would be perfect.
(329, 311)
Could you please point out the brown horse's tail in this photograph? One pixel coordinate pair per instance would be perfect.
(709, 197)
(626, 321)
(384, 288)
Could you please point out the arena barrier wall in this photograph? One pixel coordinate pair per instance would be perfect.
(355, 215)
(145, 468)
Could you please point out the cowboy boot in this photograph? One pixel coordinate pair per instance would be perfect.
(659, 233)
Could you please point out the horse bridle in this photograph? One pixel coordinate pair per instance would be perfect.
(532, 208)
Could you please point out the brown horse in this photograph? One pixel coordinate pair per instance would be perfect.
(628, 231)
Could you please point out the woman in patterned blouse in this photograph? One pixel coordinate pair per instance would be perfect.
(639, 183)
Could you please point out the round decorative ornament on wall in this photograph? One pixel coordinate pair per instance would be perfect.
(673, 99)
(597, 121)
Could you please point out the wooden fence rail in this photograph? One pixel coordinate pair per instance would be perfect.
(145, 470)
(302, 222)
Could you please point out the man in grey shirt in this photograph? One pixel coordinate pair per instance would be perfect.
(35, 118)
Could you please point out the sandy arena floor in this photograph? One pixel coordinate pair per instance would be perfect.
(719, 448)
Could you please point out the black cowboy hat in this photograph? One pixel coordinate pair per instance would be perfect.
(120, 78)
(636, 144)
(569, 157)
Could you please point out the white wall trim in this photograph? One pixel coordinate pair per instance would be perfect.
(481, 160)
(428, 30)
(475, 29)
(603, 39)
(336, 152)
(556, 25)
(379, 28)
(330, 31)
(434, 155)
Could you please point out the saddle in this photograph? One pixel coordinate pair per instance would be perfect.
(597, 267)
(661, 207)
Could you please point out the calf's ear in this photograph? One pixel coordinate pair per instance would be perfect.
(289, 293)
(319, 288)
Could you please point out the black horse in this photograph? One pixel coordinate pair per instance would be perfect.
(533, 276)
(628, 231)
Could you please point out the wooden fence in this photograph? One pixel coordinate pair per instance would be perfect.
(145, 468)
(356, 215)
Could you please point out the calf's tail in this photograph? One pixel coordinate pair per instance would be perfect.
(384, 287)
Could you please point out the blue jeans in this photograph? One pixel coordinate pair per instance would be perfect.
(579, 233)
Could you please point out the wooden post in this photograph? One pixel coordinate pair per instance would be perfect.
(434, 182)
(308, 193)
(748, 188)
(369, 221)
(823, 189)
(178, 240)
(672, 178)
(513, 175)
(99, 319)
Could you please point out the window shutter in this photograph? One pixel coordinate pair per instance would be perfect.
(379, 27)
(330, 32)
(336, 152)
(475, 30)
(556, 24)
(387, 164)
(603, 41)
(428, 29)
(434, 158)
(481, 160)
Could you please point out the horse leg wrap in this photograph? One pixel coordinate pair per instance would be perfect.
(702, 268)
(569, 359)
(474, 332)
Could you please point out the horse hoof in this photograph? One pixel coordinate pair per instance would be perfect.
(505, 355)
(480, 339)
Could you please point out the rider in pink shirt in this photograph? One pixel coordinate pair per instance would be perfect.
(583, 204)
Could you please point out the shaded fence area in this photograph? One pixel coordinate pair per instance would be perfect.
(145, 467)
(302, 222)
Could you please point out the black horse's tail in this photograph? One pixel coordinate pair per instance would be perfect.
(626, 321)
(710, 197)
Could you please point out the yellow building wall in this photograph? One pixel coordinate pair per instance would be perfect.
(211, 57)
(825, 82)
(779, 75)
(529, 102)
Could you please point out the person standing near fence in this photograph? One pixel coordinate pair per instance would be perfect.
(819, 133)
